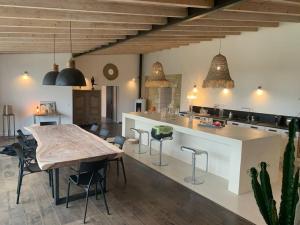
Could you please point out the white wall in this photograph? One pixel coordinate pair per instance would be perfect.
(269, 57)
(25, 95)
(128, 65)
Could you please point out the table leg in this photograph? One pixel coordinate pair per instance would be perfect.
(3, 126)
(14, 118)
(56, 186)
(61, 200)
(8, 127)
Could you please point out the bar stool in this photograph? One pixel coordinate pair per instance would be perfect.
(140, 133)
(159, 134)
(193, 179)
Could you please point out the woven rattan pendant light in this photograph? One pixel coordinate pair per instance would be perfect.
(70, 76)
(158, 78)
(218, 75)
(50, 77)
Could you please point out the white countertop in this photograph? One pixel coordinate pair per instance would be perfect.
(229, 131)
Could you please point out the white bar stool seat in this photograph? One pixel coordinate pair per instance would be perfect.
(193, 179)
(140, 132)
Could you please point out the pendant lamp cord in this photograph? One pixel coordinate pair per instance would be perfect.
(220, 45)
(54, 48)
(71, 39)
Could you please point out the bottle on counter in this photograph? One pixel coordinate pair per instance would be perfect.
(230, 115)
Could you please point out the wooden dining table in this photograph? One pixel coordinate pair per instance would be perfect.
(68, 145)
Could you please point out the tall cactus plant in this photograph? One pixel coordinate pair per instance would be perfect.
(289, 190)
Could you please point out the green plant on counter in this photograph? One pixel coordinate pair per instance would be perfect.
(289, 190)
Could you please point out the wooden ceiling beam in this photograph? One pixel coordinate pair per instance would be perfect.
(191, 34)
(228, 23)
(273, 8)
(180, 3)
(93, 6)
(242, 16)
(50, 40)
(57, 15)
(59, 36)
(65, 31)
(178, 37)
(175, 39)
(209, 29)
(12, 22)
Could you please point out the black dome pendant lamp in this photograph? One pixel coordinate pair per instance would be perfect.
(50, 77)
(70, 76)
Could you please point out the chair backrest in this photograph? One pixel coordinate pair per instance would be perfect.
(94, 128)
(21, 141)
(21, 134)
(92, 168)
(103, 133)
(19, 150)
(119, 140)
(48, 123)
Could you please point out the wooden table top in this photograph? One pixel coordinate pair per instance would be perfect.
(68, 144)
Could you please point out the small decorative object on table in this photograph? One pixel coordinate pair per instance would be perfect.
(47, 107)
(93, 83)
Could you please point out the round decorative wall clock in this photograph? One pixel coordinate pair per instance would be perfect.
(110, 71)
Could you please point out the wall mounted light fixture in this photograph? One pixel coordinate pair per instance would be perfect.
(225, 90)
(195, 89)
(259, 90)
(25, 75)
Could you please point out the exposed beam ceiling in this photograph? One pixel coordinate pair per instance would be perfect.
(132, 26)
(180, 3)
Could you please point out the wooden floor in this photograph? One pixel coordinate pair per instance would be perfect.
(149, 198)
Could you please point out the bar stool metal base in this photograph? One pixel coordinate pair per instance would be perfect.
(140, 132)
(194, 180)
(160, 163)
(141, 150)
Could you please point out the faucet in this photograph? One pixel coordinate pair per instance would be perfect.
(249, 112)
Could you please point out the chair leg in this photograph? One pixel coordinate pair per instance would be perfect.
(118, 167)
(104, 197)
(68, 194)
(52, 186)
(86, 203)
(123, 167)
(96, 191)
(150, 147)
(50, 180)
(19, 184)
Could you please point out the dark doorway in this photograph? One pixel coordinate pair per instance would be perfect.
(109, 102)
(112, 103)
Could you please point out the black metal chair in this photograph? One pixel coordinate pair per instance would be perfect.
(94, 128)
(29, 151)
(103, 133)
(28, 148)
(26, 139)
(90, 173)
(119, 141)
(27, 166)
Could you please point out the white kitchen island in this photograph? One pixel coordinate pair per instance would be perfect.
(232, 150)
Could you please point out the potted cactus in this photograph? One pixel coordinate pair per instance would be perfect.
(289, 191)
